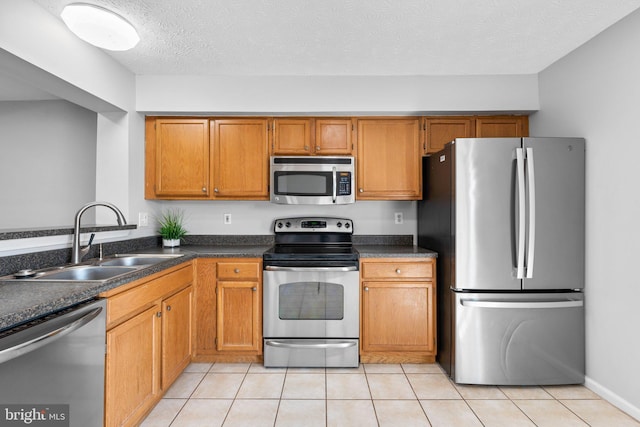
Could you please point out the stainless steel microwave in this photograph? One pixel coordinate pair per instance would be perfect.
(312, 180)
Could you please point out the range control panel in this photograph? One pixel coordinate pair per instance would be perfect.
(313, 224)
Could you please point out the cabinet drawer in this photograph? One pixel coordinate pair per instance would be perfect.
(238, 270)
(397, 270)
(126, 304)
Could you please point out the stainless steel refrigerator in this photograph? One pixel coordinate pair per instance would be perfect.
(506, 216)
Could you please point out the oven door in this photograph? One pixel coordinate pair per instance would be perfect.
(304, 302)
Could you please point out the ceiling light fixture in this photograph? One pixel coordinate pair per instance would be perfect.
(99, 26)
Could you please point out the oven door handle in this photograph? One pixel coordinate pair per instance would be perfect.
(339, 344)
(310, 269)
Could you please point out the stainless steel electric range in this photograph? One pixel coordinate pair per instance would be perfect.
(311, 302)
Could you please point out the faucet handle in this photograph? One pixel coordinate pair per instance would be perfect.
(85, 250)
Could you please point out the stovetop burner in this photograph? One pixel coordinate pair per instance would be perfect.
(312, 241)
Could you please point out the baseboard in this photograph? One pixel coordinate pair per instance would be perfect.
(612, 398)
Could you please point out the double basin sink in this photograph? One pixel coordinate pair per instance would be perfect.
(97, 270)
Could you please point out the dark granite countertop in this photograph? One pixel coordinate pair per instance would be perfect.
(394, 251)
(21, 301)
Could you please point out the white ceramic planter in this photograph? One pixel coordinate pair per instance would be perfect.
(170, 243)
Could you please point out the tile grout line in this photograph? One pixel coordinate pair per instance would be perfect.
(366, 378)
(404, 371)
(173, 420)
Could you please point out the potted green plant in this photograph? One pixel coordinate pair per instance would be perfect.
(171, 228)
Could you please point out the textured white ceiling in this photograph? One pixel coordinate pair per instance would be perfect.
(356, 37)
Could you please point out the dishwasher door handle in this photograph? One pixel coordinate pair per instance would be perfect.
(47, 337)
(312, 345)
(303, 269)
(521, 304)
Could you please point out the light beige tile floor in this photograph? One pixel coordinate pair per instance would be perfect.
(248, 395)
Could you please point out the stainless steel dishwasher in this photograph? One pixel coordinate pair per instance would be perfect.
(52, 369)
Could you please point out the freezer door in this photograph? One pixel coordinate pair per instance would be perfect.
(556, 218)
(485, 214)
(519, 339)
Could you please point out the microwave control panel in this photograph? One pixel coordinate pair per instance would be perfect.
(344, 183)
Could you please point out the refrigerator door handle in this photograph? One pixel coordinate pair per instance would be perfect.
(520, 305)
(531, 179)
(521, 213)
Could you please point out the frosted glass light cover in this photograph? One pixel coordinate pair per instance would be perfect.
(100, 27)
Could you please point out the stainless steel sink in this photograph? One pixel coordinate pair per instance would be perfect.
(93, 270)
(136, 260)
(86, 273)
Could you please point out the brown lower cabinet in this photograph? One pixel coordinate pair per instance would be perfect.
(148, 342)
(398, 310)
(228, 310)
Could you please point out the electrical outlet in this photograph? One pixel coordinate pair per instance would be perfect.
(226, 218)
(398, 218)
(143, 219)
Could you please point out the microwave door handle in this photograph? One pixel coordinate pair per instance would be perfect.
(335, 185)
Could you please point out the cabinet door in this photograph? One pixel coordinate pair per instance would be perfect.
(132, 377)
(389, 159)
(441, 130)
(292, 136)
(240, 159)
(397, 316)
(178, 160)
(176, 335)
(239, 316)
(333, 136)
(502, 126)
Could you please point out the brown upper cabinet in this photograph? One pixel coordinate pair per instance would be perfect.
(389, 159)
(441, 130)
(188, 158)
(309, 136)
(501, 126)
(240, 159)
(177, 158)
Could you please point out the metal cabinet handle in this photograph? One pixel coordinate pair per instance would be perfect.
(306, 148)
(236, 270)
(168, 308)
(398, 271)
(215, 190)
(317, 148)
(204, 189)
(361, 190)
(159, 314)
(366, 288)
(255, 288)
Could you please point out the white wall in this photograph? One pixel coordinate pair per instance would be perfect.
(255, 218)
(335, 94)
(594, 93)
(48, 151)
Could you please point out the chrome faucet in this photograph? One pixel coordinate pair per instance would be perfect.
(77, 253)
